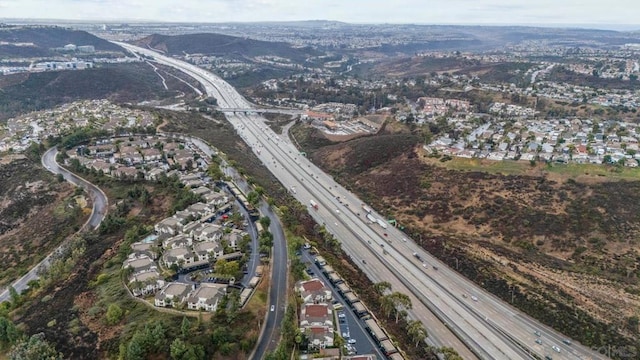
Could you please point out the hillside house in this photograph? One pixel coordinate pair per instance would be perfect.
(171, 226)
(206, 297)
(139, 263)
(145, 283)
(178, 256)
(208, 232)
(172, 294)
(178, 241)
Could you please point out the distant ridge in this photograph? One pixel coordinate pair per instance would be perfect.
(45, 38)
(222, 45)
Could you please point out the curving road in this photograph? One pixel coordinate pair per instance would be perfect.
(478, 324)
(98, 212)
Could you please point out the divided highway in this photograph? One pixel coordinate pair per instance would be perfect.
(445, 301)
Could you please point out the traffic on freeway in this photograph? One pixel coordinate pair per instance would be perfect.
(474, 322)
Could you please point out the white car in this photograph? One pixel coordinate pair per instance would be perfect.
(555, 348)
(337, 211)
(273, 307)
(474, 298)
(352, 341)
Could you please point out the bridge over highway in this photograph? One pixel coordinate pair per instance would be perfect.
(261, 111)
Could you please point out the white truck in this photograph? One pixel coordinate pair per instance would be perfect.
(382, 223)
(371, 218)
(366, 209)
(313, 204)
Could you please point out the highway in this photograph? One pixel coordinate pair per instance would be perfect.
(445, 301)
(98, 212)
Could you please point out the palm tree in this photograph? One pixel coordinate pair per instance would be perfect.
(387, 305)
(416, 331)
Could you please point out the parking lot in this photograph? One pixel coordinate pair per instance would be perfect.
(348, 324)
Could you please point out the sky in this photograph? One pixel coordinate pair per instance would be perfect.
(611, 13)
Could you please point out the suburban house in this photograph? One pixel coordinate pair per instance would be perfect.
(169, 226)
(145, 283)
(145, 248)
(178, 241)
(152, 154)
(316, 314)
(155, 174)
(206, 297)
(313, 291)
(208, 250)
(233, 238)
(172, 294)
(139, 263)
(178, 256)
(216, 198)
(125, 172)
(319, 336)
(201, 209)
(208, 232)
(202, 191)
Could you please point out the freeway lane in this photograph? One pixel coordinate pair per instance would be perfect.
(98, 212)
(352, 234)
(498, 322)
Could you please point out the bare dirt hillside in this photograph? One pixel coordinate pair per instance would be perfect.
(36, 214)
(547, 244)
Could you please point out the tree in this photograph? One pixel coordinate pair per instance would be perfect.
(386, 305)
(215, 172)
(382, 287)
(178, 349)
(401, 302)
(114, 314)
(34, 347)
(9, 333)
(185, 328)
(265, 221)
(416, 331)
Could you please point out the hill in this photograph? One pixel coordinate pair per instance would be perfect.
(223, 45)
(27, 92)
(539, 240)
(44, 39)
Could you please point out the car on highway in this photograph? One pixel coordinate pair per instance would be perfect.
(474, 298)
(555, 348)
(351, 341)
(537, 333)
(273, 307)
(464, 296)
(404, 239)
(337, 211)
(567, 341)
(538, 341)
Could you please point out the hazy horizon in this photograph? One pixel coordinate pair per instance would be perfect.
(52, 21)
(547, 13)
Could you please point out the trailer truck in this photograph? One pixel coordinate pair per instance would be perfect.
(382, 223)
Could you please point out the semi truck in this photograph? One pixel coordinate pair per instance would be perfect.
(313, 204)
(371, 218)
